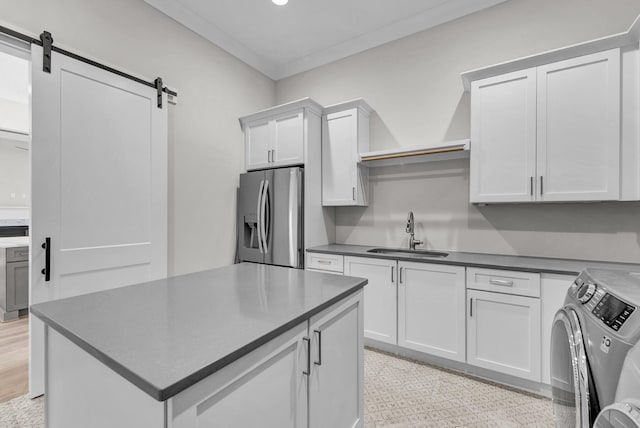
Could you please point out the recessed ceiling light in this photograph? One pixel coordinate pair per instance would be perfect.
(280, 2)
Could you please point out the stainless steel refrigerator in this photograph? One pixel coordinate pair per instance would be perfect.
(270, 207)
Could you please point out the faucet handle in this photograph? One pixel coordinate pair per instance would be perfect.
(409, 228)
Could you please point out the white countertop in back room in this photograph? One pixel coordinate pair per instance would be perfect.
(14, 241)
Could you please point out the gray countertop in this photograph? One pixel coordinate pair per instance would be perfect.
(166, 335)
(492, 261)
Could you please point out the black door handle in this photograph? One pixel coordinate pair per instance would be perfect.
(47, 259)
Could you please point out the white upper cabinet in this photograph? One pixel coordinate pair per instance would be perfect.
(258, 145)
(345, 134)
(503, 132)
(579, 128)
(15, 110)
(288, 137)
(548, 133)
(277, 136)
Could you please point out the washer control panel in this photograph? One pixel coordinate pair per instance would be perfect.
(612, 311)
(586, 292)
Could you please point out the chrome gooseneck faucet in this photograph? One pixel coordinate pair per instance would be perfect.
(410, 229)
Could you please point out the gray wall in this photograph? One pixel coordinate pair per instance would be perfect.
(414, 85)
(205, 141)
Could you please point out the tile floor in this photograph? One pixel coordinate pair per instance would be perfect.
(403, 393)
(398, 393)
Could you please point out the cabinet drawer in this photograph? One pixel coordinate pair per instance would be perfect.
(17, 254)
(330, 262)
(504, 281)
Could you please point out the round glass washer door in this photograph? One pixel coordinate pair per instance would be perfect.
(570, 383)
(618, 415)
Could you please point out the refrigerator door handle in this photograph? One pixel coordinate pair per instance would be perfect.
(259, 217)
(264, 217)
(293, 217)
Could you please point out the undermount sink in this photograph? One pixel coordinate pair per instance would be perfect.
(402, 251)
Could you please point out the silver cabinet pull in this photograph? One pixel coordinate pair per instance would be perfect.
(400, 281)
(471, 307)
(319, 362)
(392, 274)
(268, 156)
(353, 191)
(531, 185)
(501, 282)
(273, 155)
(324, 262)
(308, 371)
(541, 185)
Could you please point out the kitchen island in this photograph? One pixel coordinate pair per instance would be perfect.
(245, 345)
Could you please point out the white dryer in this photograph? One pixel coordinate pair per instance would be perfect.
(625, 412)
(592, 334)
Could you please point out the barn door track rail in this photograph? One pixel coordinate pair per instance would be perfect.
(46, 41)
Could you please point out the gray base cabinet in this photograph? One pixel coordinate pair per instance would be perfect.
(14, 281)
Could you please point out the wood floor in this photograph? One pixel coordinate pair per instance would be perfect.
(14, 358)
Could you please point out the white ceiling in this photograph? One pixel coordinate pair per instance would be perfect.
(284, 40)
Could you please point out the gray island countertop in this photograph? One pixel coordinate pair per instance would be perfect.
(490, 261)
(164, 336)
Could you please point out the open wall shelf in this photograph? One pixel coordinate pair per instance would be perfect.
(445, 151)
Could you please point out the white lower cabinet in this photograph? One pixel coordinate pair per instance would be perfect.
(310, 376)
(503, 333)
(380, 296)
(489, 318)
(265, 388)
(431, 309)
(336, 383)
(553, 290)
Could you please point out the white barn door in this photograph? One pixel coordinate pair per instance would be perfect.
(99, 186)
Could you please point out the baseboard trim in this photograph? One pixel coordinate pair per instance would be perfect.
(490, 376)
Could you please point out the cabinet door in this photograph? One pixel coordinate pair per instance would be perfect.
(380, 296)
(503, 138)
(265, 388)
(257, 145)
(336, 384)
(553, 292)
(288, 139)
(340, 158)
(503, 333)
(17, 285)
(579, 128)
(431, 309)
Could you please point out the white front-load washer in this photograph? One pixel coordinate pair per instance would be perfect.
(625, 411)
(591, 337)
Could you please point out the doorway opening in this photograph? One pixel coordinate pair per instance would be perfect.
(15, 203)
